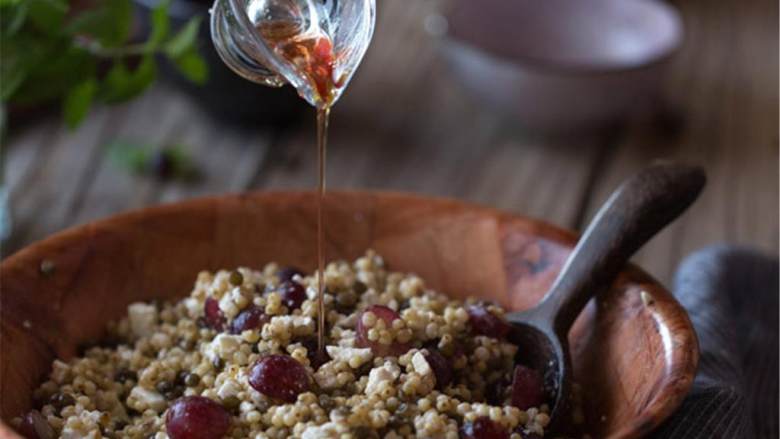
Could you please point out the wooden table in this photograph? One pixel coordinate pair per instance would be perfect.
(430, 137)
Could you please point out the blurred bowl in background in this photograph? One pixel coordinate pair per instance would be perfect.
(561, 64)
(226, 96)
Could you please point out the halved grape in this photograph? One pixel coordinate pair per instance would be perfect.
(196, 417)
(441, 366)
(484, 322)
(483, 428)
(293, 294)
(213, 315)
(288, 273)
(252, 317)
(280, 377)
(381, 350)
(527, 388)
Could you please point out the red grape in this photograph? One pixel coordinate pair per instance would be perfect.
(293, 294)
(280, 377)
(379, 349)
(287, 273)
(441, 367)
(527, 388)
(214, 317)
(483, 428)
(196, 417)
(484, 322)
(252, 317)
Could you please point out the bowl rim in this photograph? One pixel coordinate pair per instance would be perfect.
(568, 68)
(679, 375)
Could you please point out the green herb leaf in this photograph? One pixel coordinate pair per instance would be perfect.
(77, 102)
(145, 159)
(129, 155)
(160, 24)
(47, 15)
(17, 57)
(192, 66)
(12, 17)
(59, 67)
(121, 84)
(109, 22)
(184, 40)
(12, 75)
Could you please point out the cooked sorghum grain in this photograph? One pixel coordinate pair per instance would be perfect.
(403, 361)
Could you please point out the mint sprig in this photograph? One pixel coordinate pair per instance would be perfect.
(52, 51)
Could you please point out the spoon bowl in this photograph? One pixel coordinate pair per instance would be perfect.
(636, 211)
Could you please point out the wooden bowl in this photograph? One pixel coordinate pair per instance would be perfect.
(634, 351)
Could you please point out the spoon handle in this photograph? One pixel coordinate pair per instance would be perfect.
(642, 206)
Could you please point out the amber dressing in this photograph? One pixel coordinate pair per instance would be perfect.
(312, 53)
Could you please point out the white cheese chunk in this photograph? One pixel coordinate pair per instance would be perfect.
(328, 430)
(355, 357)
(420, 364)
(148, 398)
(228, 388)
(388, 372)
(223, 346)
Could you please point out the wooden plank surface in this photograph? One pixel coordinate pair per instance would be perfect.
(724, 85)
(405, 124)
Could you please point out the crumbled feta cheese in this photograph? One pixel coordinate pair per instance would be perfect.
(420, 364)
(378, 375)
(233, 302)
(148, 398)
(355, 357)
(142, 317)
(223, 346)
(325, 376)
(194, 307)
(327, 430)
(312, 292)
(83, 426)
(229, 388)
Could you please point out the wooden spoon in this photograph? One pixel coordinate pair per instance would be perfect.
(635, 212)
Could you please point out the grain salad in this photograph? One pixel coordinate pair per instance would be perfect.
(238, 358)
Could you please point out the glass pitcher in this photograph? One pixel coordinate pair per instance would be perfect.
(348, 23)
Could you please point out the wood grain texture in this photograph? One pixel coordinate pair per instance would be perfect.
(634, 349)
(722, 93)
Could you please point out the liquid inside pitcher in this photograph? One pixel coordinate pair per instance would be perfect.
(306, 43)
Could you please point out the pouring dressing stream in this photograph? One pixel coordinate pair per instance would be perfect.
(315, 46)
